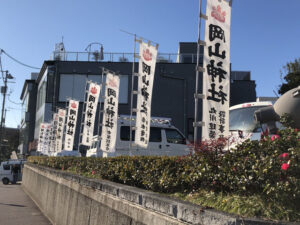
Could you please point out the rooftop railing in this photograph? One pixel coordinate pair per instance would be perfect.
(121, 57)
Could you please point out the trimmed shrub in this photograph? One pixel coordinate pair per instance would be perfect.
(269, 167)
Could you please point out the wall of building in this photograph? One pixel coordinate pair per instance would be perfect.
(173, 90)
(70, 199)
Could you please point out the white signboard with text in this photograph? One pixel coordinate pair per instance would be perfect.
(147, 62)
(71, 124)
(110, 114)
(60, 129)
(41, 137)
(90, 113)
(216, 78)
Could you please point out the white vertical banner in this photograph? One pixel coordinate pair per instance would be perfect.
(90, 114)
(71, 124)
(53, 132)
(41, 137)
(47, 139)
(60, 129)
(147, 63)
(110, 114)
(216, 78)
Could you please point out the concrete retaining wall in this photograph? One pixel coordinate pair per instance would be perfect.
(68, 199)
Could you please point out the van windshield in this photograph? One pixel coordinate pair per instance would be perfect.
(243, 119)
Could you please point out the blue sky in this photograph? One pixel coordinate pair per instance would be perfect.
(264, 33)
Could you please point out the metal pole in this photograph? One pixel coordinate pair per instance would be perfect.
(87, 85)
(197, 80)
(100, 109)
(131, 97)
(2, 113)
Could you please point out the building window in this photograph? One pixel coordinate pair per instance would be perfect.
(73, 86)
(41, 96)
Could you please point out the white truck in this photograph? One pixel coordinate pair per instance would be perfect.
(165, 139)
(11, 171)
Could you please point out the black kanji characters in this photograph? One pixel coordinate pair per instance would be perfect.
(216, 52)
(146, 68)
(216, 32)
(217, 96)
(215, 72)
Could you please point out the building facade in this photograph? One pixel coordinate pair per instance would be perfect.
(173, 90)
(27, 125)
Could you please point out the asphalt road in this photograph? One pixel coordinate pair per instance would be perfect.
(16, 208)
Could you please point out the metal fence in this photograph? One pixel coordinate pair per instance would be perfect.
(121, 57)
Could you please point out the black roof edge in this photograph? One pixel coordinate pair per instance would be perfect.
(44, 67)
(24, 87)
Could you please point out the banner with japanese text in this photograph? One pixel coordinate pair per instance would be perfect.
(41, 137)
(216, 78)
(71, 124)
(110, 114)
(90, 113)
(60, 129)
(54, 123)
(47, 139)
(147, 63)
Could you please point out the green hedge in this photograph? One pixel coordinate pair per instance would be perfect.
(270, 167)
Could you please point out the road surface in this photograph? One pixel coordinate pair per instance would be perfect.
(16, 208)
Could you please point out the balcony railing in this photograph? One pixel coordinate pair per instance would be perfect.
(122, 57)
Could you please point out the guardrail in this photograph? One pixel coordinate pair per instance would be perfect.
(121, 57)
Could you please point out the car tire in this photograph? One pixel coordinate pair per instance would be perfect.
(5, 181)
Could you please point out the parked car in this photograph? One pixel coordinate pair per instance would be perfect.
(11, 171)
(165, 139)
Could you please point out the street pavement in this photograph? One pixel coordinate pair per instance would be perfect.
(16, 208)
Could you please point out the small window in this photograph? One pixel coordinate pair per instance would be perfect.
(155, 134)
(125, 133)
(173, 136)
(6, 167)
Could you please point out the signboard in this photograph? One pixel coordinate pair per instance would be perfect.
(147, 62)
(41, 137)
(47, 139)
(110, 114)
(60, 129)
(71, 124)
(216, 78)
(90, 113)
(53, 132)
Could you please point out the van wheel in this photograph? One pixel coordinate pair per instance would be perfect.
(5, 181)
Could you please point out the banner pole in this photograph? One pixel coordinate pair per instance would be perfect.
(131, 97)
(100, 110)
(197, 80)
(83, 113)
(66, 120)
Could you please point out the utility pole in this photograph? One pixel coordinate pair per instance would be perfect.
(3, 91)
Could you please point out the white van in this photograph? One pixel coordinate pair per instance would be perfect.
(165, 139)
(242, 125)
(8, 168)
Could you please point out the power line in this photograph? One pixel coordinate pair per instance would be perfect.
(13, 101)
(23, 64)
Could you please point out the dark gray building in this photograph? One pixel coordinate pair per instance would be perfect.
(27, 126)
(173, 89)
